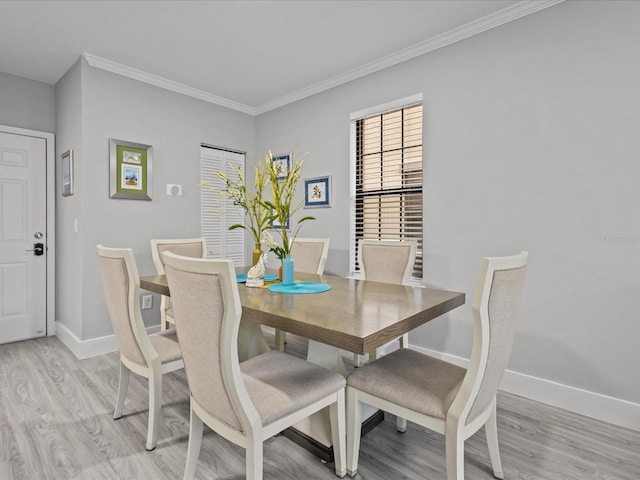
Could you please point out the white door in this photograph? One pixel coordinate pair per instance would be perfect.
(23, 216)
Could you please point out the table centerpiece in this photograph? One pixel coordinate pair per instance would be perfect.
(258, 215)
(283, 190)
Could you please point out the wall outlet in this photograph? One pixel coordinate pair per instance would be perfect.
(147, 302)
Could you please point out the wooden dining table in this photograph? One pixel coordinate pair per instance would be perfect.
(354, 315)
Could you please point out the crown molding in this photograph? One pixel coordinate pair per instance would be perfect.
(161, 82)
(467, 30)
(506, 15)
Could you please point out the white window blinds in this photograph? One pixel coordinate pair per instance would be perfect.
(388, 178)
(216, 212)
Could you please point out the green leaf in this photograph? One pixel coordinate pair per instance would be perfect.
(237, 225)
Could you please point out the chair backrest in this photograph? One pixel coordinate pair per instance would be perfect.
(187, 247)
(122, 291)
(208, 309)
(310, 254)
(495, 311)
(389, 261)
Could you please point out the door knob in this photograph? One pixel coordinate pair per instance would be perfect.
(38, 235)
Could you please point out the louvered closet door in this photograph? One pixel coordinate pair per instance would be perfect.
(218, 213)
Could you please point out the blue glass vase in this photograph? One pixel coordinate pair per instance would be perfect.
(287, 270)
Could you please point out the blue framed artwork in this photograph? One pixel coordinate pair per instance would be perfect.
(317, 192)
(281, 164)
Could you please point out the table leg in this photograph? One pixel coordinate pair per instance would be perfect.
(318, 426)
(251, 341)
(326, 356)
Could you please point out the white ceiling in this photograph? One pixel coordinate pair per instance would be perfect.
(249, 55)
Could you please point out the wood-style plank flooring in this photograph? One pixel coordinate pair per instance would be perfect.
(56, 422)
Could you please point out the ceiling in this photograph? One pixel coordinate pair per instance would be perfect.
(249, 55)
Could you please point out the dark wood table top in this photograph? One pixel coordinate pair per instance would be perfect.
(355, 315)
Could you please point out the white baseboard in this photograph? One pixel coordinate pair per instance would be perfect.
(90, 348)
(595, 405)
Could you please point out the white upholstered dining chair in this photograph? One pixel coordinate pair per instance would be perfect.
(387, 261)
(247, 402)
(188, 247)
(310, 256)
(149, 356)
(441, 396)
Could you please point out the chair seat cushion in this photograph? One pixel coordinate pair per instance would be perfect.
(412, 380)
(279, 384)
(166, 344)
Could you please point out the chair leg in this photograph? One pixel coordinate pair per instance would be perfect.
(491, 431)
(155, 405)
(354, 430)
(401, 424)
(454, 452)
(163, 312)
(123, 385)
(357, 359)
(254, 458)
(193, 450)
(280, 340)
(337, 414)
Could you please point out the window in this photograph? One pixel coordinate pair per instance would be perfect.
(387, 176)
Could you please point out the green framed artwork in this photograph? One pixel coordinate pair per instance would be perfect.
(130, 170)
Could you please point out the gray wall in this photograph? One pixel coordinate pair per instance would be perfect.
(530, 135)
(112, 106)
(27, 104)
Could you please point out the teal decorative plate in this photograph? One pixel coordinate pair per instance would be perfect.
(300, 287)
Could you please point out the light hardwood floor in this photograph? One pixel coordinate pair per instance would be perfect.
(56, 422)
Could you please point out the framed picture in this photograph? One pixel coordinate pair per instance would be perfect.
(281, 164)
(276, 224)
(129, 170)
(66, 173)
(317, 192)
